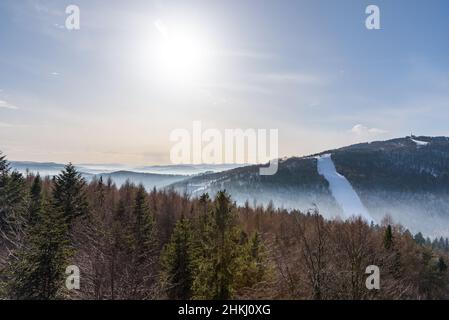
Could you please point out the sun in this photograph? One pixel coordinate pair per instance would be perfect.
(182, 53)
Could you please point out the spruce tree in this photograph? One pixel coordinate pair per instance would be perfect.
(419, 239)
(144, 226)
(35, 201)
(145, 247)
(178, 262)
(254, 267)
(219, 262)
(69, 193)
(39, 271)
(441, 265)
(121, 253)
(13, 211)
(4, 165)
(388, 238)
(13, 200)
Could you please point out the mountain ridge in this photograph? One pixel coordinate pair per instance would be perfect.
(405, 178)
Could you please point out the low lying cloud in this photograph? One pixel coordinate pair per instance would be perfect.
(361, 130)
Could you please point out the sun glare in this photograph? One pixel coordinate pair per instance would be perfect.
(181, 54)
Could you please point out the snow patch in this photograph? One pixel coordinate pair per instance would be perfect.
(341, 189)
(420, 143)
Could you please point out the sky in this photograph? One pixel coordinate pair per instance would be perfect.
(114, 90)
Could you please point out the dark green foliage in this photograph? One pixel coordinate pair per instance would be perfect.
(144, 227)
(419, 239)
(39, 271)
(442, 266)
(69, 193)
(13, 199)
(144, 248)
(35, 205)
(219, 264)
(178, 261)
(4, 166)
(388, 238)
(255, 262)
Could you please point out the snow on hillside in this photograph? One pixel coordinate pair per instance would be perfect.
(341, 189)
(420, 143)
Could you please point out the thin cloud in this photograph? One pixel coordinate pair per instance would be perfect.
(360, 129)
(292, 78)
(245, 54)
(6, 105)
(59, 26)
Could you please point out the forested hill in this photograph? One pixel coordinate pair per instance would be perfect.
(405, 178)
(128, 243)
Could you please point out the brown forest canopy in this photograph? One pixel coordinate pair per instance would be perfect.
(133, 244)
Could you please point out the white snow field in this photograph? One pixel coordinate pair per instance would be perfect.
(342, 190)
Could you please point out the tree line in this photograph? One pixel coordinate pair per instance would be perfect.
(129, 243)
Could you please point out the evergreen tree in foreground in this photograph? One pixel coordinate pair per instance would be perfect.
(35, 205)
(145, 248)
(388, 238)
(39, 270)
(255, 262)
(13, 199)
(178, 262)
(219, 262)
(69, 193)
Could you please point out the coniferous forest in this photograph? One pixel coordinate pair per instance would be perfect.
(129, 243)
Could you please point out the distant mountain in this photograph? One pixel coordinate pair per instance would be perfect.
(162, 176)
(43, 168)
(405, 178)
(188, 169)
(148, 180)
(51, 168)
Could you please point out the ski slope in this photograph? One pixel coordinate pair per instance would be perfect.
(341, 189)
(420, 143)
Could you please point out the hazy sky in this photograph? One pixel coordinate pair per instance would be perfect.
(113, 91)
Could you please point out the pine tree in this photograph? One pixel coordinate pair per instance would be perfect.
(13, 211)
(69, 193)
(442, 266)
(35, 201)
(121, 252)
(39, 271)
(144, 226)
(4, 166)
(219, 261)
(145, 247)
(388, 238)
(178, 261)
(419, 239)
(13, 199)
(441, 243)
(255, 262)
